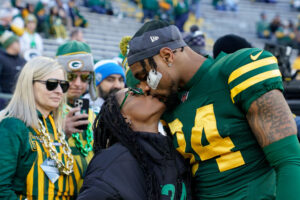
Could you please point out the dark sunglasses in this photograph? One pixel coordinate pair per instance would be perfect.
(134, 91)
(51, 84)
(83, 77)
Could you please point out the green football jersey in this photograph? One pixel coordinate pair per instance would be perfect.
(210, 127)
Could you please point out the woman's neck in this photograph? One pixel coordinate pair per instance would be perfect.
(44, 112)
(145, 127)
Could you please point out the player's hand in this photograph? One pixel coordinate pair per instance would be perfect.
(72, 121)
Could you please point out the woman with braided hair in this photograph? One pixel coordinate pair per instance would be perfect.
(132, 159)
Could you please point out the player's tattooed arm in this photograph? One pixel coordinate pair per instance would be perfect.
(270, 118)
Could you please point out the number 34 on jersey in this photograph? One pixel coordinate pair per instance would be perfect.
(218, 148)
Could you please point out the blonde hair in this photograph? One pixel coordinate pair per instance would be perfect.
(23, 105)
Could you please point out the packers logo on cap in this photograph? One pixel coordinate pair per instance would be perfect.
(75, 65)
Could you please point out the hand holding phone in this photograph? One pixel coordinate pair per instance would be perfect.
(83, 104)
(72, 121)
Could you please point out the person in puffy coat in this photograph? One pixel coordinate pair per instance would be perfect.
(132, 159)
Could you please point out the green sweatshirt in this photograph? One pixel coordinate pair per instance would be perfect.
(16, 157)
(21, 155)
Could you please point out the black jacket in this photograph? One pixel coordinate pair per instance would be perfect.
(115, 174)
(10, 67)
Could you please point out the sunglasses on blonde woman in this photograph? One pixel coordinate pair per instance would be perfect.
(134, 91)
(51, 84)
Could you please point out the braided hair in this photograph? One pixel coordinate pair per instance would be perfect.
(109, 128)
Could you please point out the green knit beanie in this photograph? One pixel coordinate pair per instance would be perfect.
(76, 56)
(73, 47)
(7, 38)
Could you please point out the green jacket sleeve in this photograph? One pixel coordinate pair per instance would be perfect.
(284, 156)
(11, 145)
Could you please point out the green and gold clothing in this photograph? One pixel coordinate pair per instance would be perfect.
(82, 160)
(210, 126)
(22, 152)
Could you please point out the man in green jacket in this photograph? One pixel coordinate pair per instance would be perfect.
(150, 8)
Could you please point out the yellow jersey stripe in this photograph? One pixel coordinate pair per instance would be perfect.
(29, 182)
(41, 174)
(253, 80)
(50, 190)
(53, 127)
(59, 193)
(71, 193)
(77, 175)
(251, 66)
(66, 193)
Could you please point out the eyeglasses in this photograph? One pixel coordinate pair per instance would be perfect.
(83, 77)
(51, 84)
(134, 91)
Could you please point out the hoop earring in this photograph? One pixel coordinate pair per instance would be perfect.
(169, 64)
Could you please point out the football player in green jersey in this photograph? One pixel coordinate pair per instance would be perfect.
(227, 115)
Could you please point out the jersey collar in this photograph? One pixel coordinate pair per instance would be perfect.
(199, 74)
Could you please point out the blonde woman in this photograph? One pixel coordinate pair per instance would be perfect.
(35, 159)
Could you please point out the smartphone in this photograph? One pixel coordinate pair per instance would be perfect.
(84, 109)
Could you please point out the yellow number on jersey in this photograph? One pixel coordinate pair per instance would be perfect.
(176, 127)
(205, 122)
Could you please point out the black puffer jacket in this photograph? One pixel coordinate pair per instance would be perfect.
(115, 174)
(10, 67)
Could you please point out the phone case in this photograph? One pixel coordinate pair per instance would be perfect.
(84, 109)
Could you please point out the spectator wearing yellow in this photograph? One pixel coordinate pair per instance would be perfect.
(56, 24)
(40, 12)
(77, 59)
(285, 34)
(262, 27)
(36, 160)
(77, 18)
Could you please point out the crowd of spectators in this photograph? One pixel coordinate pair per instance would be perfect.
(174, 11)
(45, 19)
(23, 28)
(283, 32)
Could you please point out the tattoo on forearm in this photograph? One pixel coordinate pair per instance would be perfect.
(270, 118)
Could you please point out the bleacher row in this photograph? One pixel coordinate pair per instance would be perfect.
(103, 34)
(242, 22)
